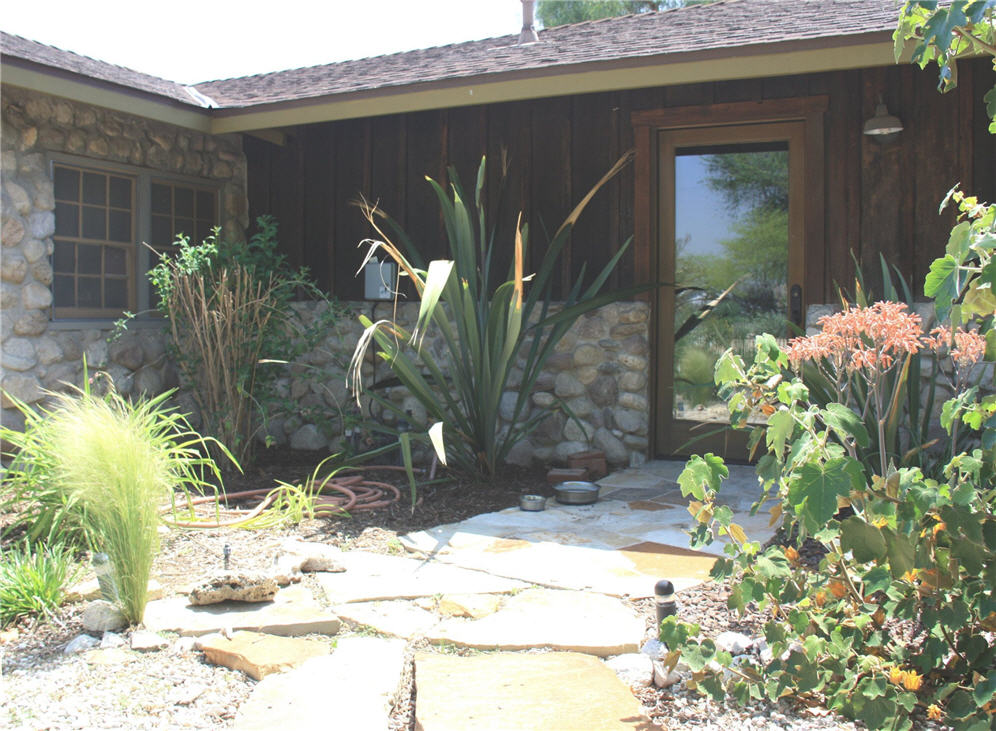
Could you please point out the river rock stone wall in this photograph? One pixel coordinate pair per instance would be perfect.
(36, 352)
(599, 370)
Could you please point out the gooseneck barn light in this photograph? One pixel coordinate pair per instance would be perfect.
(883, 126)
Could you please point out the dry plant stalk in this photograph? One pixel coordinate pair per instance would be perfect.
(219, 324)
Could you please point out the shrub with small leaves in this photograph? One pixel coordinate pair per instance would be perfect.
(899, 616)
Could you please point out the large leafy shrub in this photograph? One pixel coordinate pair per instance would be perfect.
(897, 621)
(488, 330)
(233, 329)
(898, 617)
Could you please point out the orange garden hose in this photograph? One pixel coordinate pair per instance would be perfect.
(348, 494)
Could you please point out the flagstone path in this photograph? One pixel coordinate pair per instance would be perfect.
(622, 545)
(513, 580)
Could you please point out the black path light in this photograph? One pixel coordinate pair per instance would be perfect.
(666, 606)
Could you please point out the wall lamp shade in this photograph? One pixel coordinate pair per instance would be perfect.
(883, 123)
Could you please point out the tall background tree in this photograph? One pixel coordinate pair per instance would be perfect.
(551, 13)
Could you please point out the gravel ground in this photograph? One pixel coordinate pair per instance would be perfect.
(43, 688)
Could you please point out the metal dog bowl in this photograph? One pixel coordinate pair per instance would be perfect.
(532, 502)
(576, 493)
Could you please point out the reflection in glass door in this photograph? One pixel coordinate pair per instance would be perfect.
(727, 238)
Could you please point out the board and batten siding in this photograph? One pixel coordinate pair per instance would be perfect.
(878, 198)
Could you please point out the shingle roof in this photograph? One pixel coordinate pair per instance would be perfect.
(723, 25)
(13, 46)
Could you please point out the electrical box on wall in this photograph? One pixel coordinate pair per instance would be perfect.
(378, 279)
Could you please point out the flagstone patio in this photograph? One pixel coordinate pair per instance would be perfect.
(556, 579)
(636, 534)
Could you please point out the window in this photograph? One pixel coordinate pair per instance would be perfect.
(94, 241)
(102, 216)
(180, 209)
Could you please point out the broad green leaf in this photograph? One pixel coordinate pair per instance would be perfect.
(863, 540)
(845, 422)
(877, 579)
(941, 284)
(985, 689)
(729, 368)
(878, 713)
(960, 241)
(674, 633)
(773, 565)
(701, 475)
(814, 491)
(979, 301)
(780, 427)
(971, 554)
(900, 551)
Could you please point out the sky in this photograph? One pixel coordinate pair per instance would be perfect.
(200, 40)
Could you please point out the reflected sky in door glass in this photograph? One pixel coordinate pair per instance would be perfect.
(699, 214)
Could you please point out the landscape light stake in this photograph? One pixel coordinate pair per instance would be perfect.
(666, 606)
(105, 576)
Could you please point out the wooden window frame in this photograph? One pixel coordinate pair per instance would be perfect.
(80, 239)
(140, 256)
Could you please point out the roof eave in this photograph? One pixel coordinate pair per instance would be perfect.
(726, 64)
(77, 87)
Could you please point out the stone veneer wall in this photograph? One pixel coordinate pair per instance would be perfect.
(37, 353)
(599, 370)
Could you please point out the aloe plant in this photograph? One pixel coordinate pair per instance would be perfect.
(488, 331)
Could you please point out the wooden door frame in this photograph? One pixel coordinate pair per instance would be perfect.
(648, 225)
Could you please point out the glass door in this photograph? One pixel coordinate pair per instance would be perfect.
(731, 242)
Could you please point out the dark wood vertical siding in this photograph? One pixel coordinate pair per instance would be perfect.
(878, 198)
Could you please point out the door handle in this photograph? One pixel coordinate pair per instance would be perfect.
(795, 305)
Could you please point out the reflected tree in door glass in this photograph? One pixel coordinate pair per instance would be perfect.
(731, 235)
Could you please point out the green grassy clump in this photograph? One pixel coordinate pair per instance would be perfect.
(121, 461)
(32, 580)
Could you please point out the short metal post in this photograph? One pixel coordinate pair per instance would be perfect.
(226, 552)
(664, 595)
(105, 577)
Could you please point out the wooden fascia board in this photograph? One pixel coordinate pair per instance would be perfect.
(99, 94)
(575, 80)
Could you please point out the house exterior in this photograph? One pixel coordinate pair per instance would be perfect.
(97, 158)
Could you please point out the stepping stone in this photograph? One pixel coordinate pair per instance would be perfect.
(258, 655)
(292, 612)
(398, 618)
(233, 586)
(90, 590)
(144, 640)
(350, 689)
(554, 691)
(372, 576)
(620, 547)
(469, 605)
(562, 620)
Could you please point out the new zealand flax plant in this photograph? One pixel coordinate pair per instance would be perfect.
(487, 331)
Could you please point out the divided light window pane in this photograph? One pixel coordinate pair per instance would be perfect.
(94, 241)
(97, 234)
